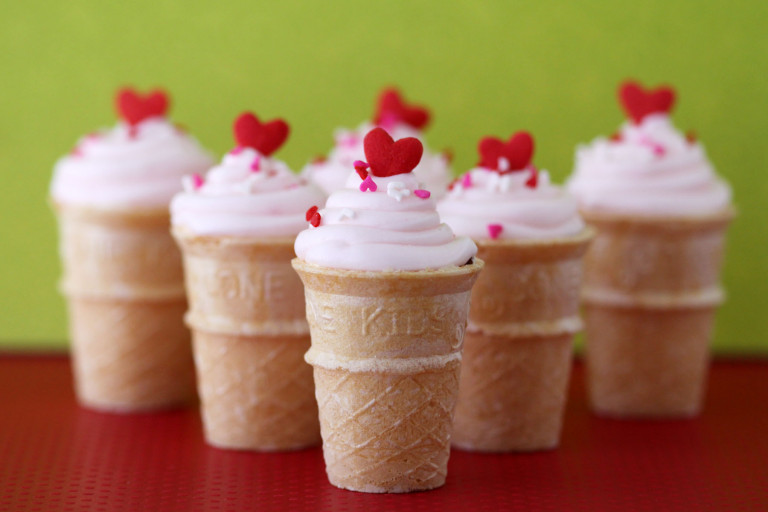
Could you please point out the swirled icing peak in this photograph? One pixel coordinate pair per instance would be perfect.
(648, 168)
(137, 164)
(506, 197)
(248, 194)
(381, 223)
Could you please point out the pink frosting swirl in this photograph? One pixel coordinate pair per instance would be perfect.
(128, 167)
(433, 171)
(649, 169)
(485, 204)
(246, 195)
(394, 228)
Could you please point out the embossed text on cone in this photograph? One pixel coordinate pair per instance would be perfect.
(651, 288)
(250, 334)
(124, 287)
(517, 351)
(386, 348)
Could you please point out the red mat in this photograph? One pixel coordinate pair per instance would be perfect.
(56, 456)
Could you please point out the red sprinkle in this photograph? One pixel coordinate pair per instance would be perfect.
(615, 136)
(315, 220)
(424, 194)
(494, 230)
(311, 212)
(534, 179)
(691, 137)
(361, 168)
(319, 159)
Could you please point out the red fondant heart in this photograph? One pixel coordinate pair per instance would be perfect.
(134, 107)
(518, 152)
(387, 157)
(392, 107)
(266, 138)
(639, 103)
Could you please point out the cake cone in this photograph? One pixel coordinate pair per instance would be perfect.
(124, 287)
(517, 352)
(386, 351)
(250, 334)
(651, 288)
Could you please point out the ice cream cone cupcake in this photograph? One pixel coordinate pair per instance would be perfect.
(518, 347)
(236, 228)
(387, 289)
(122, 271)
(401, 120)
(651, 283)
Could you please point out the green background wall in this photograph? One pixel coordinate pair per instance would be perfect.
(483, 67)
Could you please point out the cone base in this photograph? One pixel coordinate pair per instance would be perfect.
(256, 392)
(513, 392)
(131, 356)
(386, 433)
(647, 363)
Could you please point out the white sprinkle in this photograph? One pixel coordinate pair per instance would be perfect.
(398, 190)
(503, 164)
(347, 213)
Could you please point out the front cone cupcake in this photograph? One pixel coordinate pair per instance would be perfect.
(652, 274)
(122, 271)
(236, 228)
(387, 288)
(517, 351)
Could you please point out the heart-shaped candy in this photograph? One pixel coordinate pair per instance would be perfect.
(266, 138)
(387, 157)
(392, 107)
(505, 157)
(134, 107)
(639, 102)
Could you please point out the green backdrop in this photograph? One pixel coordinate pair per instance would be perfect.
(483, 68)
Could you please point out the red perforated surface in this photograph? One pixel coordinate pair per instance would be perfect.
(56, 456)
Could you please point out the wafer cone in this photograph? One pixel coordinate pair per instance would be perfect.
(123, 281)
(250, 334)
(517, 352)
(386, 351)
(651, 288)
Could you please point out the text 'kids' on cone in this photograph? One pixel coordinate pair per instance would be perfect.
(122, 271)
(236, 228)
(387, 289)
(651, 278)
(518, 347)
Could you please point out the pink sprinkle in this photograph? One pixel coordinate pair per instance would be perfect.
(494, 230)
(76, 151)
(236, 150)
(349, 141)
(659, 150)
(424, 194)
(256, 164)
(368, 184)
(466, 181)
(388, 121)
(197, 181)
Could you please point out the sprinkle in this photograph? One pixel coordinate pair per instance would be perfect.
(93, 136)
(691, 137)
(313, 216)
(192, 183)
(349, 140)
(466, 181)
(361, 168)
(423, 194)
(236, 150)
(388, 121)
(256, 164)
(76, 151)
(319, 159)
(448, 155)
(534, 179)
(347, 213)
(505, 182)
(503, 164)
(494, 230)
(615, 136)
(397, 190)
(368, 184)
